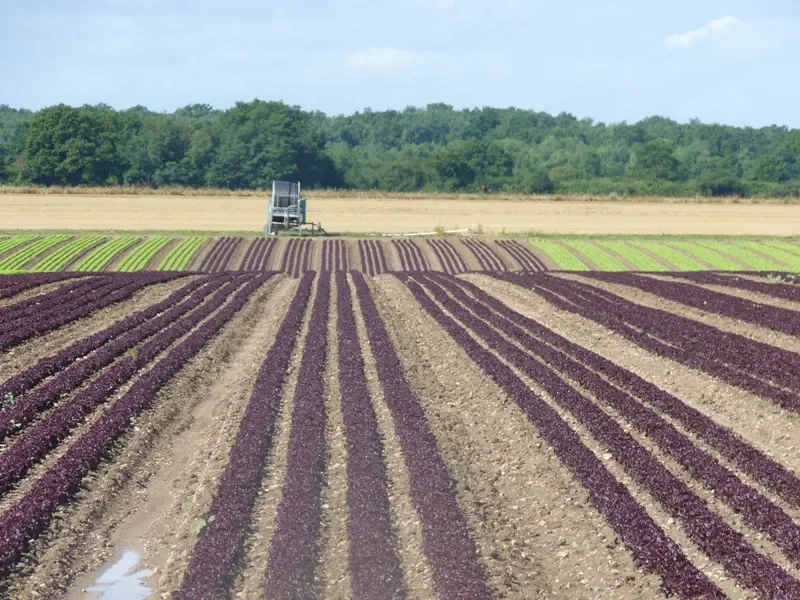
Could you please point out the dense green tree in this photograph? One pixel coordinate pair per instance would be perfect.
(657, 160)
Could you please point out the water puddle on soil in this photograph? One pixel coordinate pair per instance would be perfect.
(122, 581)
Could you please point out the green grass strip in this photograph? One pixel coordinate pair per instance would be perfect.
(791, 260)
(563, 258)
(604, 260)
(19, 259)
(714, 259)
(679, 261)
(640, 260)
(101, 256)
(751, 260)
(140, 257)
(64, 256)
(14, 242)
(181, 255)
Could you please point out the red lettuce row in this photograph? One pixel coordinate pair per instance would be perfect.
(46, 367)
(752, 461)
(374, 565)
(652, 549)
(28, 406)
(486, 257)
(64, 297)
(373, 259)
(527, 260)
(757, 367)
(214, 558)
(334, 255)
(11, 285)
(296, 257)
(787, 291)
(411, 257)
(33, 511)
(36, 442)
(220, 255)
(446, 540)
(257, 256)
(127, 286)
(758, 511)
(449, 258)
(295, 549)
(772, 317)
(704, 527)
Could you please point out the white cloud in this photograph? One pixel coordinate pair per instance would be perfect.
(737, 38)
(715, 28)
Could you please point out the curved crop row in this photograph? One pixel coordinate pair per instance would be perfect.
(751, 260)
(564, 259)
(257, 256)
(37, 441)
(653, 551)
(297, 257)
(295, 547)
(760, 368)
(102, 256)
(67, 254)
(28, 406)
(22, 382)
(487, 258)
(604, 260)
(373, 258)
(446, 541)
(11, 285)
(758, 511)
(778, 290)
(19, 259)
(41, 324)
(640, 260)
(411, 257)
(752, 461)
(34, 510)
(704, 527)
(141, 256)
(212, 566)
(679, 260)
(63, 297)
(7, 245)
(179, 257)
(789, 247)
(714, 259)
(733, 307)
(374, 563)
(334, 255)
(526, 259)
(449, 258)
(791, 260)
(221, 254)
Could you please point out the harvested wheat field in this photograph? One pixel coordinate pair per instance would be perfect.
(360, 214)
(419, 434)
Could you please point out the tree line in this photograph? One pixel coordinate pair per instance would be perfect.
(434, 148)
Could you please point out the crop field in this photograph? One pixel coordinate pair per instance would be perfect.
(30, 253)
(423, 433)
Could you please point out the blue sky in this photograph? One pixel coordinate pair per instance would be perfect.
(731, 62)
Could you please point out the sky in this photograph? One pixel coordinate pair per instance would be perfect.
(734, 62)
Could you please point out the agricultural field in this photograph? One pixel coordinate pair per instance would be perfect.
(423, 433)
(24, 253)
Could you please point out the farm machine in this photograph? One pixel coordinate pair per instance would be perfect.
(288, 211)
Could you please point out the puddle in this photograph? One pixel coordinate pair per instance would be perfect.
(122, 581)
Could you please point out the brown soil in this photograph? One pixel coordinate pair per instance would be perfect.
(123, 497)
(758, 421)
(536, 531)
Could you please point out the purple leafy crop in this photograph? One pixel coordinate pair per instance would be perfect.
(446, 540)
(33, 511)
(486, 257)
(213, 563)
(257, 256)
(527, 260)
(373, 259)
(411, 257)
(374, 564)
(449, 258)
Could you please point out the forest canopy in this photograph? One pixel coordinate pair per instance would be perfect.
(436, 148)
